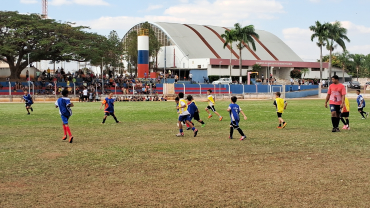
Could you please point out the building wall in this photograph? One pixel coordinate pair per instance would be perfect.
(217, 71)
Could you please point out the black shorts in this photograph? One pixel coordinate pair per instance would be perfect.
(344, 115)
(360, 109)
(234, 124)
(109, 113)
(212, 108)
(196, 116)
(86, 97)
(279, 114)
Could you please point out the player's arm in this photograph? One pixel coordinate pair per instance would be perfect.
(327, 97)
(242, 112)
(361, 102)
(228, 109)
(343, 101)
(286, 104)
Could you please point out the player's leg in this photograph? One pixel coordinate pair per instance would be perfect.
(279, 116)
(65, 132)
(28, 111)
(181, 131)
(231, 130)
(115, 118)
(188, 121)
(197, 118)
(31, 107)
(236, 126)
(67, 129)
(207, 110)
(105, 117)
(219, 116)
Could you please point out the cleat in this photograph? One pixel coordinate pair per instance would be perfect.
(363, 118)
(333, 130)
(71, 139)
(344, 127)
(221, 118)
(65, 137)
(337, 130)
(348, 128)
(28, 113)
(188, 128)
(242, 138)
(118, 122)
(32, 109)
(230, 137)
(203, 125)
(284, 125)
(279, 127)
(209, 116)
(180, 134)
(367, 114)
(195, 132)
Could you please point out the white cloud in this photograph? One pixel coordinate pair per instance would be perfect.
(315, 1)
(29, 1)
(80, 2)
(355, 29)
(154, 7)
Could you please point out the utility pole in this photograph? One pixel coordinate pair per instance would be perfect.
(44, 9)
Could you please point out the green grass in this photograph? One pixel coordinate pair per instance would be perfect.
(140, 162)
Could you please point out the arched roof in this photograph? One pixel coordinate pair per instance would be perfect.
(200, 41)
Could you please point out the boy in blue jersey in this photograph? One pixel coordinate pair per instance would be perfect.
(64, 104)
(234, 111)
(196, 113)
(361, 105)
(28, 100)
(109, 107)
(184, 116)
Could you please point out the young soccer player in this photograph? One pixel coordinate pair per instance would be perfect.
(108, 102)
(280, 105)
(184, 116)
(196, 113)
(361, 105)
(336, 94)
(345, 114)
(234, 111)
(177, 100)
(28, 100)
(64, 104)
(211, 105)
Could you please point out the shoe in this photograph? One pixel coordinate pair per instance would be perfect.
(284, 125)
(348, 128)
(367, 114)
(203, 125)
(230, 137)
(32, 109)
(221, 118)
(71, 139)
(209, 116)
(337, 130)
(344, 127)
(279, 127)
(118, 122)
(28, 113)
(180, 134)
(195, 132)
(188, 128)
(242, 138)
(363, 118)
(334, 130)
(65, 137)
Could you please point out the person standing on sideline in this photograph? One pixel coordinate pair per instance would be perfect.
(262, 78)
(361, 105)
(291, 81)
(190, 77)
(336, 95)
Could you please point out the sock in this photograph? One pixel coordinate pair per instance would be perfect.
(279, 124)
(240, 132)
(347, 122)
(333, 121)
(69, 131)
(342, 119)
(181, 131)
(104, 120)
(192, 123)
(362, 114)
(202, 122)
(187, 125)
(210, 114)
(283, 122)
(220, 116)
(337, 121)
(193, 128)
(231, 132)
(65, 130)
(115, 118)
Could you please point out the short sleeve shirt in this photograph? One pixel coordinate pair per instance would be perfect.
(336, 91)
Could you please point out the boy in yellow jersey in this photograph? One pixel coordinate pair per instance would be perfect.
(280, 105)
(345, 114)
(211, 105)
(184, 116)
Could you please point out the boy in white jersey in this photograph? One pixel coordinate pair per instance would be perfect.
(184, 116)
(211, 105)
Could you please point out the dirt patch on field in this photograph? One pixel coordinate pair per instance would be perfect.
(52, 155)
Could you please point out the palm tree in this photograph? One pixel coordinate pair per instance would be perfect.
(344, 59)
(336, 35)
(357, 61)
(244, 37)
(320, 32)
(229, 39)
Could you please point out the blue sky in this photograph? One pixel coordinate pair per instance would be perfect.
(288, 19)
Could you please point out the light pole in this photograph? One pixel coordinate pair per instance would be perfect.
(220, 70)
(181, 65)
(102, 77)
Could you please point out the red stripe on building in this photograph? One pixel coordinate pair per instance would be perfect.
(219, 36)
(263, 46)
(204, 41)
(249, 49)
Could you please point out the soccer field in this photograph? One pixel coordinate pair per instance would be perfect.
(140, 162)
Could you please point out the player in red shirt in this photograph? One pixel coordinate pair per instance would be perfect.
(336, 95)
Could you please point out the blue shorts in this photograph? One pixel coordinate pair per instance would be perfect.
(28, 104)
(185, 118)
(335, 108)
(65, 119)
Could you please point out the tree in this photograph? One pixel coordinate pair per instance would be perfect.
(244, 37)
(114, 52)
(321, 33)
(296, 74)
(43, 39)
(229, 37)
(336, 35)
(357, 61)
(344, 61)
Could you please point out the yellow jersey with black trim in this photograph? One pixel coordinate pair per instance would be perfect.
(183, 111)
(211, 100)
(345, 108)
(280, 104)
